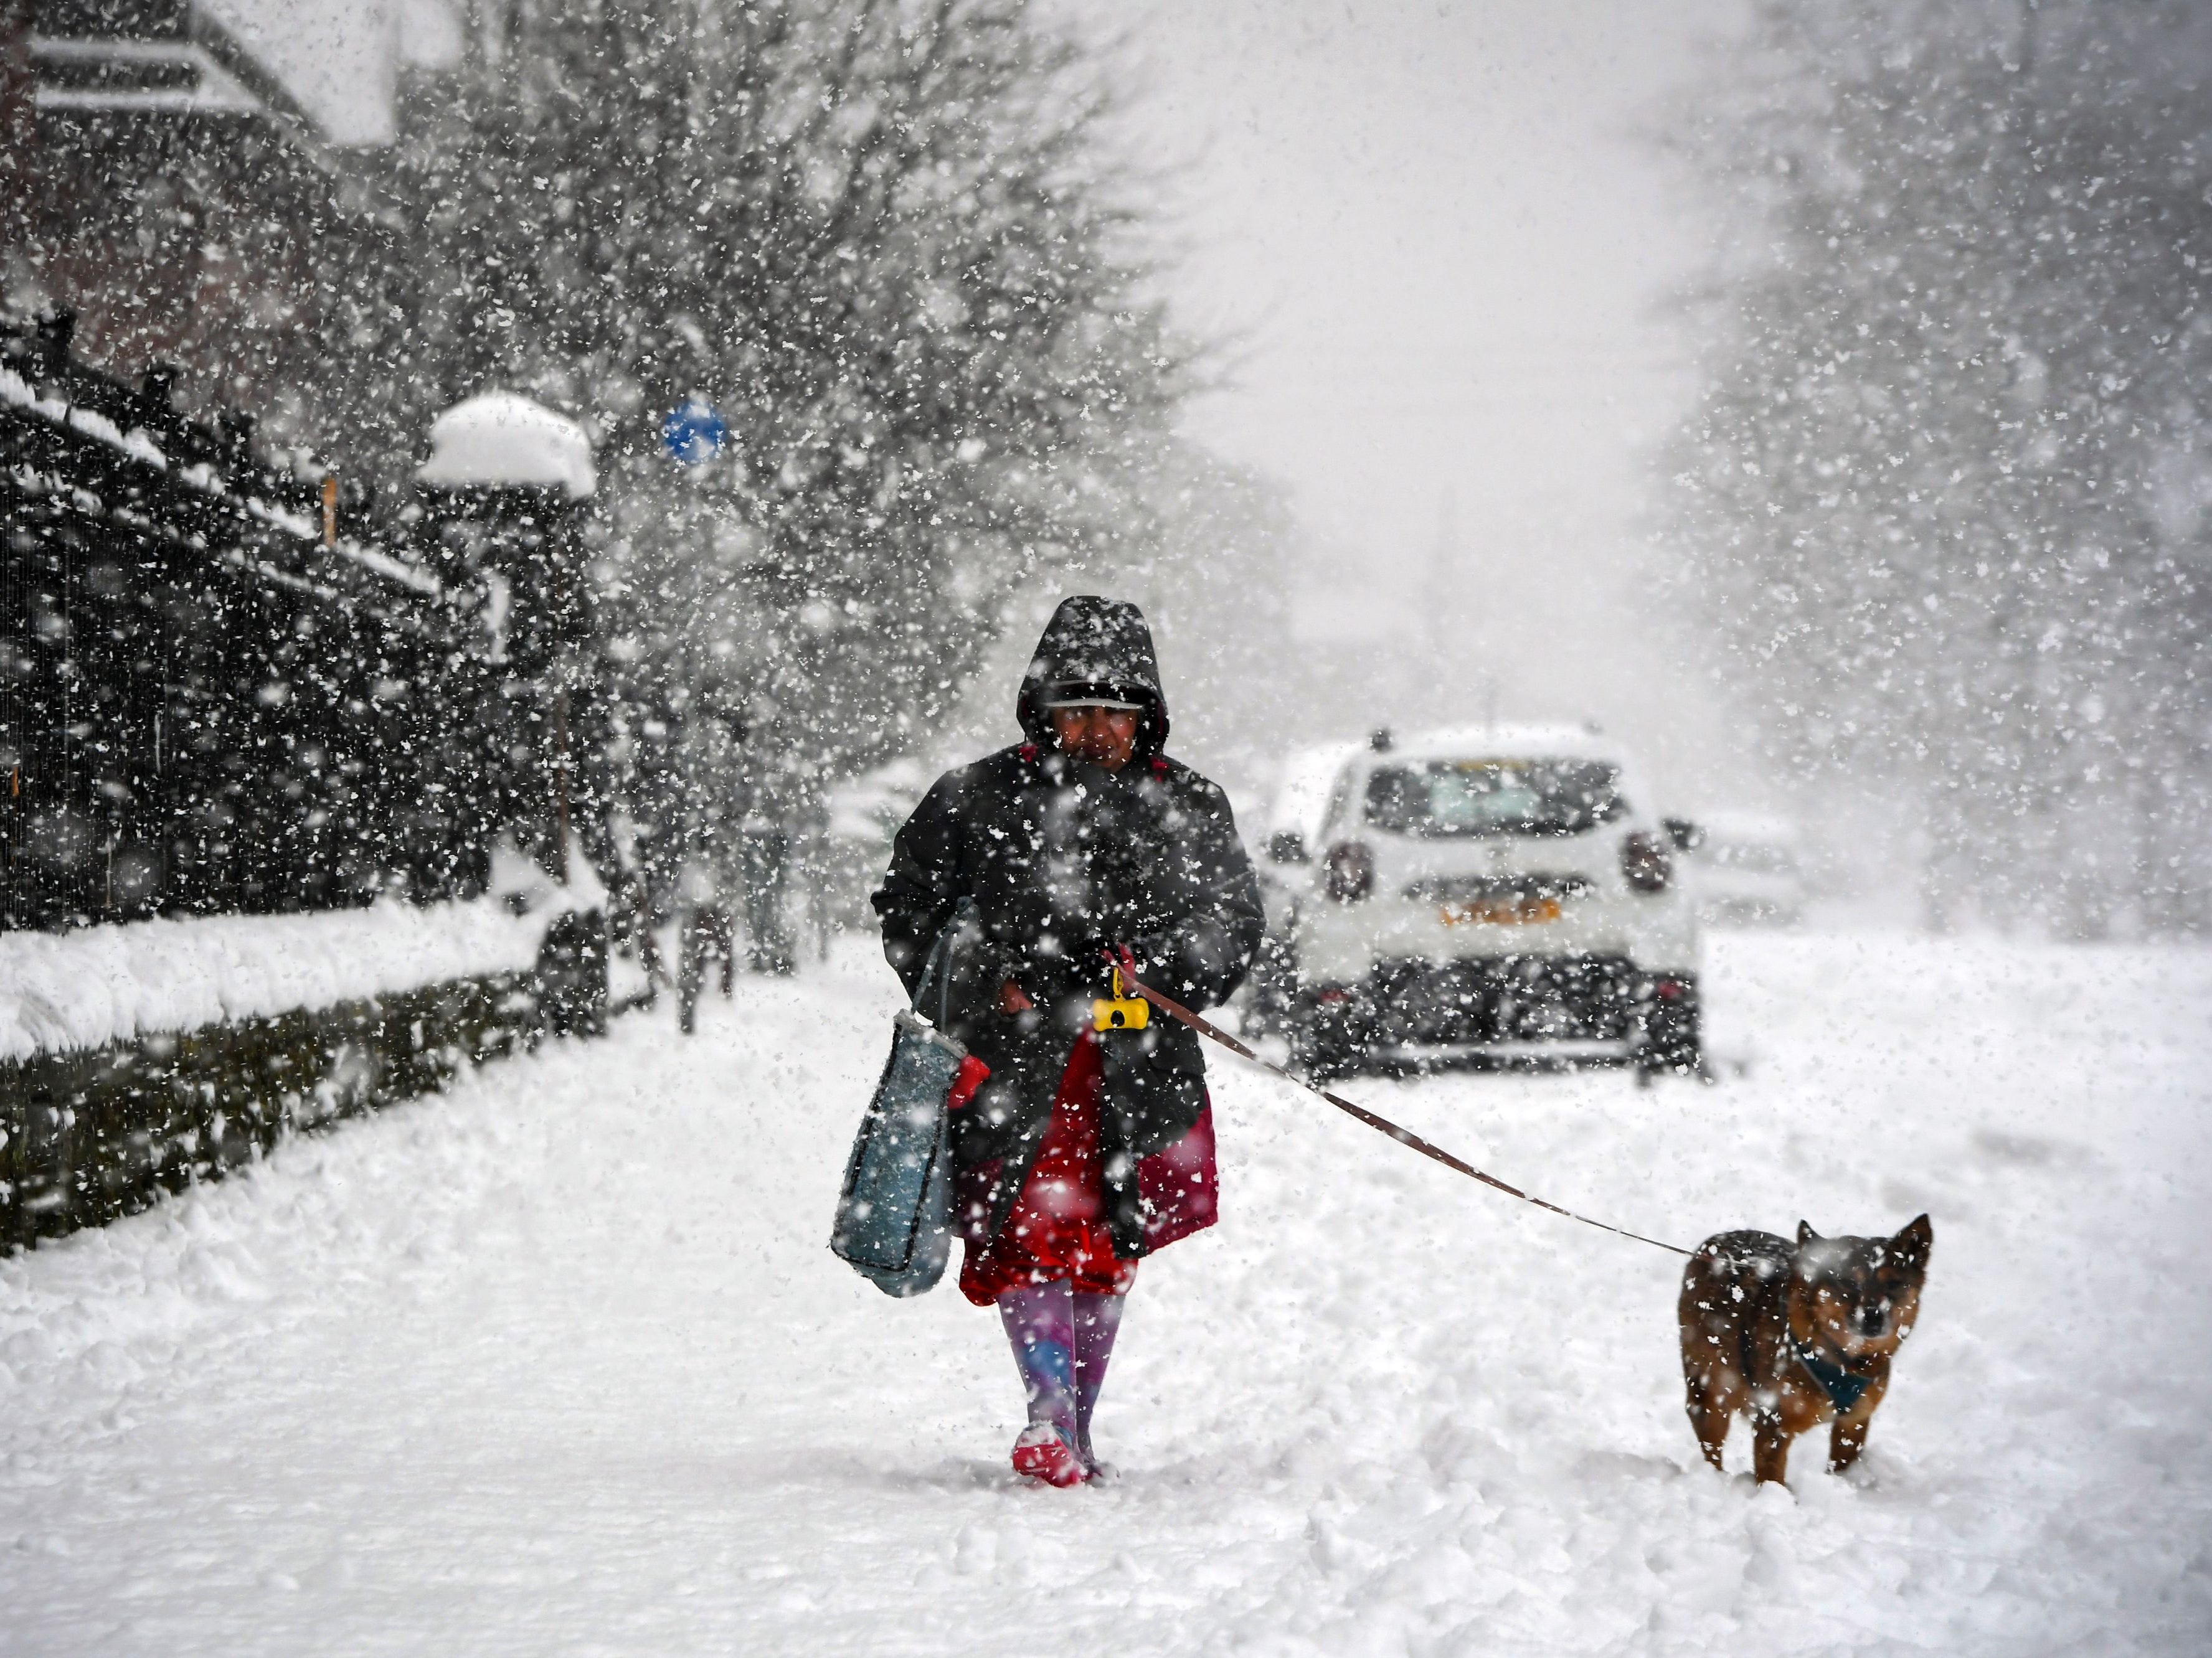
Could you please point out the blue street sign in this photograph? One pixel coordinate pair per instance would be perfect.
(693, 431)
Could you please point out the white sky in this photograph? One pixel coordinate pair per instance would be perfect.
(1446, 233)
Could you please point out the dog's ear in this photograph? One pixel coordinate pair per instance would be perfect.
(1912, 1245)
(1805, 1232)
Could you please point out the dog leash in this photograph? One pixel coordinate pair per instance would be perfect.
(1127, 963)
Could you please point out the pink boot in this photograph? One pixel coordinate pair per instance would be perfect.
(1043, 1453)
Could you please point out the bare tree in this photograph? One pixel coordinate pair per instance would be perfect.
(881, 239)
(1946, 492)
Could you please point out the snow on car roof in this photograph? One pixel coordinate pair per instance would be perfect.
(1485, 742)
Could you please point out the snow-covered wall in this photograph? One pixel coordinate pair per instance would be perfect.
(60, 991)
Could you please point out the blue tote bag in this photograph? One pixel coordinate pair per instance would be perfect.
(895, 1210)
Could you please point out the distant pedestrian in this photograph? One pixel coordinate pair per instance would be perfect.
(766, 847)
(1087, 1148)
(773, 801)
(704, 932)
(811, 861)
(630, 929)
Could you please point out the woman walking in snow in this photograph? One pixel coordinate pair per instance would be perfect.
(1085, 1148)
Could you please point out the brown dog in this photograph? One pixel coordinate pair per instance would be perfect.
(1793, 1336)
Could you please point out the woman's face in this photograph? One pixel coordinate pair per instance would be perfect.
(1105, 736)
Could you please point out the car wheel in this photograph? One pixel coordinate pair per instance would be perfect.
(1673, 1043)
(1323, 1061)
(1323, 1044)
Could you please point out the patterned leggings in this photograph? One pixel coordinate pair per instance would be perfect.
(1061, 1341)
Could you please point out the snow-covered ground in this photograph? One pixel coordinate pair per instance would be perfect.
(558, 1363)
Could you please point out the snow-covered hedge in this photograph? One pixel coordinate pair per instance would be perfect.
(90, 1136)
(135, 1059)
(98, 986)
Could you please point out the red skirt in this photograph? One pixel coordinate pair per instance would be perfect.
(1057, 1227)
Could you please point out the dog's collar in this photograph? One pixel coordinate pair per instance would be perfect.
(1843, 1386)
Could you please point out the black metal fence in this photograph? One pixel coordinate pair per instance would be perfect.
(209, 702)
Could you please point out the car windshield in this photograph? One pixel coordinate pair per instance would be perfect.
(1494, 797)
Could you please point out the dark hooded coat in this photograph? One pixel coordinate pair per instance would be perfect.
(1061, 859)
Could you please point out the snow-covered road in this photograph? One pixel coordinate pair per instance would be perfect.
(558, 1364)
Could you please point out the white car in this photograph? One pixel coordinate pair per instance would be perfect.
(1284, 867)
(1498, 893)
(1747, 872)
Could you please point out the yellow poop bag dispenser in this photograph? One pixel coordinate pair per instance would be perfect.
(1119, 1012)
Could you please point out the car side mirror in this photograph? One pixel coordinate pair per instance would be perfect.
(1687, 836)
(1288, 847)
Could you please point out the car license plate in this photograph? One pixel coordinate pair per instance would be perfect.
(1505, 910)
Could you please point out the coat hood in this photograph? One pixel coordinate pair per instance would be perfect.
(1100, 645)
